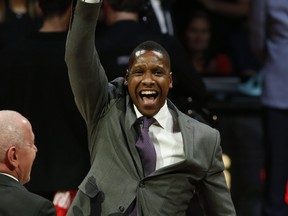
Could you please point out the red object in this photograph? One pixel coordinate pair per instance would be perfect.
(263, 177)
(223, 64)
(62, 201)
(286, 195)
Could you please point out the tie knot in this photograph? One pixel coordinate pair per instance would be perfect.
(147, 121)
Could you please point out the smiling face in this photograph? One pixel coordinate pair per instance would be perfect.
(149, 80)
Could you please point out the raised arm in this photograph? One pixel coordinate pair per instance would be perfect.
(87, 77)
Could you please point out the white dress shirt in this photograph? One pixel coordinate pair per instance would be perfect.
(166, 137)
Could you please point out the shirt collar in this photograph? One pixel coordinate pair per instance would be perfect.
(9, 176)
(161, 117)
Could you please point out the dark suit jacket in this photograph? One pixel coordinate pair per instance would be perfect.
(116, 176)
(15, 199)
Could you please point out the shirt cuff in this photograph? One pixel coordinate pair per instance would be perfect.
(91, 1)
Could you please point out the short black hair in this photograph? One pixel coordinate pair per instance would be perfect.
(54, 7)
(135, 6)
(149, 46)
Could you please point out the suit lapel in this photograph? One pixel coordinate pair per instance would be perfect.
(187, 131)
(132, 134)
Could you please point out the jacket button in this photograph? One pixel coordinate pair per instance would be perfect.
(121, 208)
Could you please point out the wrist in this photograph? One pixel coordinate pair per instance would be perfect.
(91, 1)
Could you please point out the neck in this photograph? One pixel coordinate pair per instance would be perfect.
(4, 170)
(18, 6)
(197, 56)
(58, 23)
(120, 16)
(54, 25)
(198, 60)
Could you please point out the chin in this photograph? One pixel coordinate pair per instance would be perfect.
(149, 113)
(26, 180)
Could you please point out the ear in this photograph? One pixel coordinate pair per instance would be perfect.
(126, 78)
(12, 157)
(171, 80)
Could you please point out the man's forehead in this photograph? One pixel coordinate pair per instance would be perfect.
(143, 51)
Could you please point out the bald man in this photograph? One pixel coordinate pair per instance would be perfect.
(17, 154)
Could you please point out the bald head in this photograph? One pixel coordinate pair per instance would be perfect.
(17, 149)
(12, 130)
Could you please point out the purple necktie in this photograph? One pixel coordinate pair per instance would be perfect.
(146, 151)
(146, 148)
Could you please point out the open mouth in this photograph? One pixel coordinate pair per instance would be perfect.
(148, 97)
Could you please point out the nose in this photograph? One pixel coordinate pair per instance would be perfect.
(147, 78)
(35, 148)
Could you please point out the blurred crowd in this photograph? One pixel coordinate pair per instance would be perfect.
(205, 38)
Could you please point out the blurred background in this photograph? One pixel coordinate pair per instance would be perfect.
(217, 71)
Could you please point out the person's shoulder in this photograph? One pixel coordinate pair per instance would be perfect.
(197, 123)
(117, 87)
(27, 198)
(28, 203)
(198, 126)
(21, 193)
(41, 204)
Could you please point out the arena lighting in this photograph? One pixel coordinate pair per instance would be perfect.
(227, 165)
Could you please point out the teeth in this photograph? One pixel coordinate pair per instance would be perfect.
(148, 92)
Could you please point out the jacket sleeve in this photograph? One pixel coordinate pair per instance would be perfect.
(87, 76)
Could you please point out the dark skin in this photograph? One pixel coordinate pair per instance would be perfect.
(149, 79)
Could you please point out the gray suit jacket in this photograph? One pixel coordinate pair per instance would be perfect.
(15, 199)
(115, 178)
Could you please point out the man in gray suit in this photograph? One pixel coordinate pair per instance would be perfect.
(188, 153)
(17, 154)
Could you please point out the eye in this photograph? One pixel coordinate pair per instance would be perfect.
(158, 73)
(138, 72)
